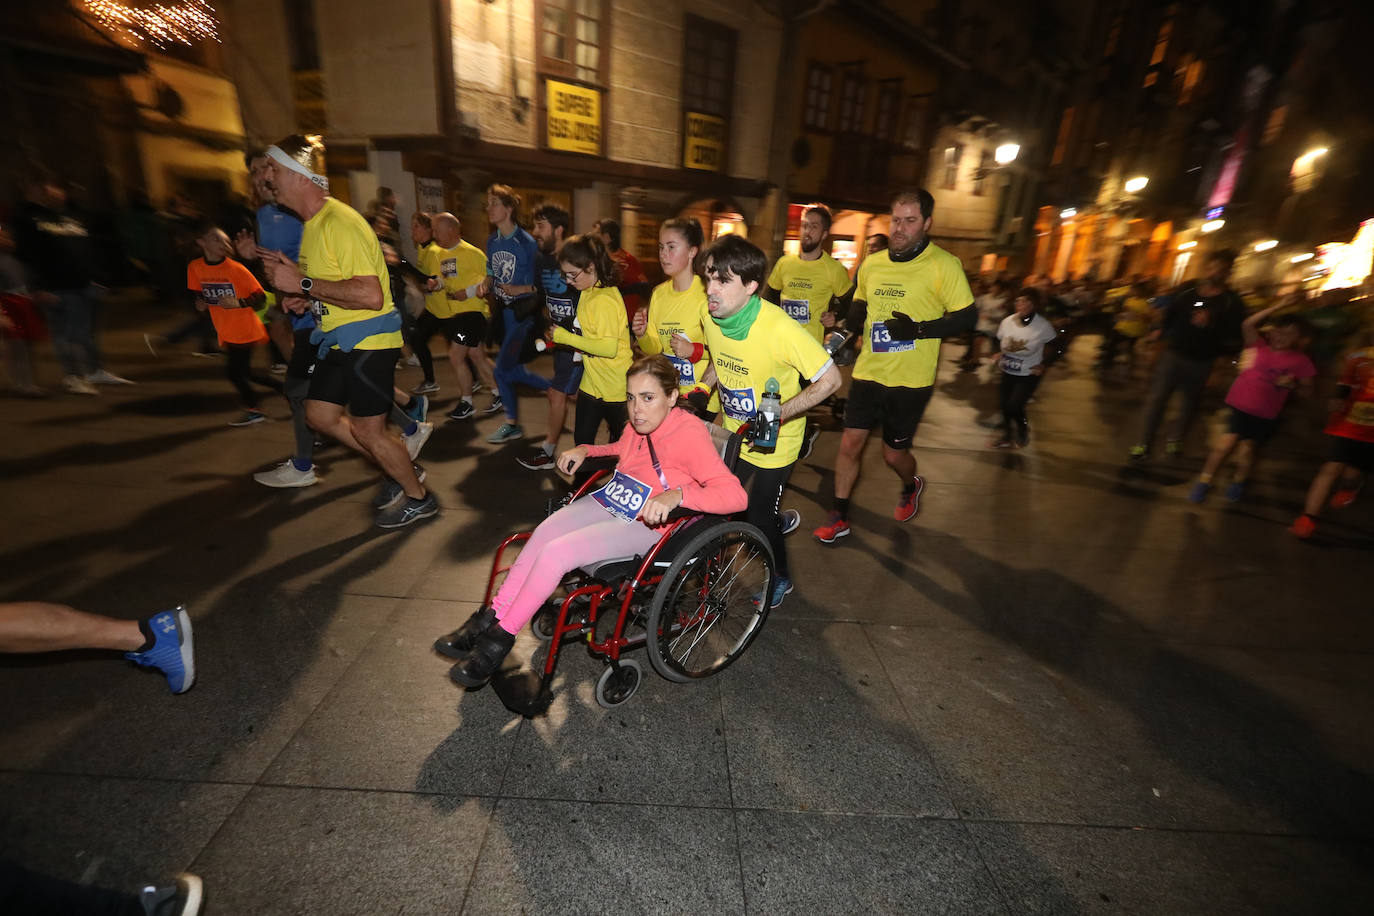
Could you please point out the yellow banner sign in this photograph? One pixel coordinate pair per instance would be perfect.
(703, 145)
(574, 119)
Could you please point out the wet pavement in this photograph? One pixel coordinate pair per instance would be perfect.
(1061, 689)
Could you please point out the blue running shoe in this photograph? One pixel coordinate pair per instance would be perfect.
(420, 410)
(1235, 492)
(173, 652)
(782, 587)
(1199, 492)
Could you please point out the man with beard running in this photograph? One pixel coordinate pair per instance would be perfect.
(551, 224)
(908, 297)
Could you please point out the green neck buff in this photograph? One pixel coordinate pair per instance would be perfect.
(736, 326)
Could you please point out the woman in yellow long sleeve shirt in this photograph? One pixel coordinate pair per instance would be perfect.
(600, 334)
(672, 323)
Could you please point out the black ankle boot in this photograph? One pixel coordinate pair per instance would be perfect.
(459, 643)
(475, 668)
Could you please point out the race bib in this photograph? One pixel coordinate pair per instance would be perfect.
(623, 497)
(561, 310)
(448, 267)
(685, 374)
(800, 309)
(213, 291)
(1011, 365)
(883, 342)
(738, 403)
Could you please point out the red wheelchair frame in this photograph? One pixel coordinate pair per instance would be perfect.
(529, 693)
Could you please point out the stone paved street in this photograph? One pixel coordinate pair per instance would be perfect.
(1061, 689)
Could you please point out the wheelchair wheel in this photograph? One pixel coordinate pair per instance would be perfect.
(704, 612)
(616, 685)
(543, 622)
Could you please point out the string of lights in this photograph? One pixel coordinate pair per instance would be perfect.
(160, 24)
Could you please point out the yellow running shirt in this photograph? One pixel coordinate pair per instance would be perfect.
(459, 267)
(337, 244)
(924, 288)
(604, 338)
(672, 312)
(807, 288)
(775, 347)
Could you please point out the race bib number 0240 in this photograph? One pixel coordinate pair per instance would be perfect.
(883, 342)
(799, 309)
(738, 403)
(623, 497)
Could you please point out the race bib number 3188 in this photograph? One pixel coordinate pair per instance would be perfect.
(623, 497)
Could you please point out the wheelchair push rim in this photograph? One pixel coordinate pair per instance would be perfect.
(705, 610)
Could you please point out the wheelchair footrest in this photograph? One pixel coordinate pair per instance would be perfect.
(522, 691)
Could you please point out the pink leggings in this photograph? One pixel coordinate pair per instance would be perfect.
(574, 536)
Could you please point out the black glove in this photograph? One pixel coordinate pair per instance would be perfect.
(901, 327)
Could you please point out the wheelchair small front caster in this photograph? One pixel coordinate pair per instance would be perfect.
(617, 683)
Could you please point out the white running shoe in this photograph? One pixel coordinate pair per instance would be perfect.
(75, 384)
(285, 475)
(417, 440)
(105, 377)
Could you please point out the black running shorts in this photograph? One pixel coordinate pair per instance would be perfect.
(466, 329)
(897, 410)
(361, 380)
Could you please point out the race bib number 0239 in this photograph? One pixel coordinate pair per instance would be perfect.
(623, 497)
(738, 403)
(883, 342)
(800, 309)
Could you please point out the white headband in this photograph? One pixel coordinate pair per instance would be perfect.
(276, 153)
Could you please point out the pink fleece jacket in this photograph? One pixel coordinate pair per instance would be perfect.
(689, 460)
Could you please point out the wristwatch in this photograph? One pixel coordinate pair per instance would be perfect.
(306, 285)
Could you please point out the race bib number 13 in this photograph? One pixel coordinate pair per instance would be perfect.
(623, 497)
(738, 403)
(883, 342)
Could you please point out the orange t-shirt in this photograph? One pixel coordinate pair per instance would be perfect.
(228, 279)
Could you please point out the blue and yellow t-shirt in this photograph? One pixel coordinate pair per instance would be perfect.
(807, 287)
(775, 347)
(337, 244)
(924, 288)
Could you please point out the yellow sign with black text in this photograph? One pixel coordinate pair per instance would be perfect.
(574, 117)
(703, 142)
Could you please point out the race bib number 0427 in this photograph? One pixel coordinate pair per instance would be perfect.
(738, 403)
(623, 497)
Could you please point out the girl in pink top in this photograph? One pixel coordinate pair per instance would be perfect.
(667, 459)
(1270, 369)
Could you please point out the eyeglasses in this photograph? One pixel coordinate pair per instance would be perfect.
(570, 277)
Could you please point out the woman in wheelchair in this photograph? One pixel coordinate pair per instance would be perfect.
(666, 458)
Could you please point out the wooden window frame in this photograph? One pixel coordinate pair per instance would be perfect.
(567, 69)
(850, 112)
(821, 124)
(711, 28)
(887, 115)
(947, 181)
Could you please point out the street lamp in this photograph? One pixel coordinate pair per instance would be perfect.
(1070, 213)
(1299, 258)
(1267, 245)
(1309, 157)
(1006, 153)
(1212, 225)
(1136, 185)
(1187, 246)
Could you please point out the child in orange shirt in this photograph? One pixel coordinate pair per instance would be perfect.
(232, 294)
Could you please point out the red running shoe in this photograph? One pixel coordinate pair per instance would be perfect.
(910, 503)
(1304, 527)
(1344, 498)
(832, 530)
